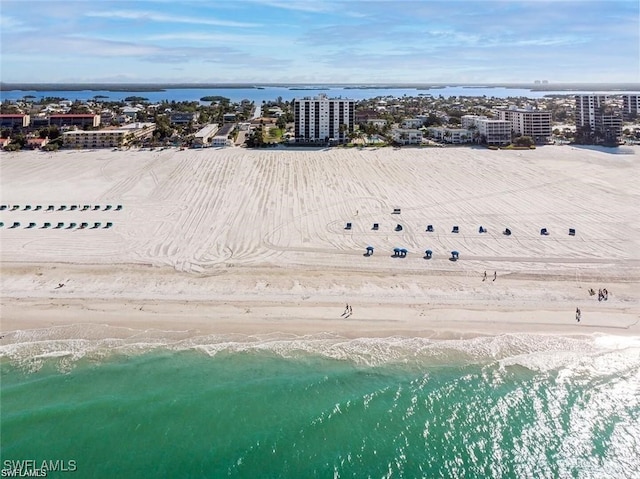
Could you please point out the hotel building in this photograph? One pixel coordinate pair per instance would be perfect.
(321, 119)
(110, 138)
(528, 122)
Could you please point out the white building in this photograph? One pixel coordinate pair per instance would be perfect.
(587, 108)
(406, 136)
(528, 122)
(412, 123)
(487, 130)
(205, 135)
(599, 116)
(455, 136)
(630, 106)
(321, 119)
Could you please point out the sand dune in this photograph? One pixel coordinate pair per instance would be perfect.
(267, 228)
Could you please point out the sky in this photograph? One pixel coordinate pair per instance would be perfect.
(316, 41)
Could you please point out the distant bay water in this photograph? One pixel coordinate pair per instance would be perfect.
(259, 94)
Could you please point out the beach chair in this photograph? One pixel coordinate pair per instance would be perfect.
(37, 208)
(403, 252)
(96, 225)
(375, 226)
(454, 256)
(3, 207)
(430, 228)
(107, 207)
(482, 229)
(15, 207)
(73, 207)
(51, 208)
(572, 232)
(428, 254)
(1, 224)
(96, 207)
(83, 225)
(58, 226)
(369, 251)
(507, 232)
(85, 207)
(396, 252)
(348, 226)
(108, 225)
(31, 225)
(118, 208)
(544, 232)
(71, 226)
(398, 227)
(62, 208)
(26, 207)
(46, 225)
(16, 224)
(396, 211)
(455, 229)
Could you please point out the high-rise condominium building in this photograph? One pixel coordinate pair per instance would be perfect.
(323, 119)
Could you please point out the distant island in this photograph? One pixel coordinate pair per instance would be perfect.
(135, 98)
(214, 98)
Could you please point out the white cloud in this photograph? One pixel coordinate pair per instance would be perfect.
(160, 17)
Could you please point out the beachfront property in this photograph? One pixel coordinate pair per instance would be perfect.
(222, 136)
(630, 106)
(9, 120)
(79, 120)
(528, 122)
(406, 136)
(205, 135)
(454, 136)
(597, 118)
(323, 119)
(487, 130)
(108, 138)
(412, 123)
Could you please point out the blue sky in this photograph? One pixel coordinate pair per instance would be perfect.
(302, 41)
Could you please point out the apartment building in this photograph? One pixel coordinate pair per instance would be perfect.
(487, 130)
(597, 119)
(528, 122)
(78, 120)
(109, 138)
(406, 136)
(14, 120)
(322, 119)
(630, 106)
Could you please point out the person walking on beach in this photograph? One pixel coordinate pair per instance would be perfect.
(578, 314)
(495, 275)
(484, 278)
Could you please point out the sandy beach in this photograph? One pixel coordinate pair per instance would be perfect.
(247, 242)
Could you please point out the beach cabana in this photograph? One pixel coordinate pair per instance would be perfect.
(62, 208)
(85, 207)
(396, 211)
(1, 224)
(46, 225)
(15, 207)
(108, 225)
(37, 208)
(15, 224)
(3, 207)
(455, 229)
(398, 227)
(369, 250)
(430, 228)
(507, 232)
(396, 252)
(348, 226)
(544, 232)
(96, 207)
(572, 232)
(31, 225)
(482, 229)
(428, 254)
(73, 207)
(107, 207)
(83, 225)
(96, 225)
(71, 226)
(403, 253)
(27, 207)
(59, 225)
(118, 208)
(454, 256)
(375, 226)
(51, 208)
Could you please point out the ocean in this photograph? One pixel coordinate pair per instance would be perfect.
(510, 406)
(271, 93)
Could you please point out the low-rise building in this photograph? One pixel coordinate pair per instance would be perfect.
(222, 136)
(204, 136)
(182, 118)
(454, 136)
(108, 138)
(411, 123)
(37, 143)
(75, 119)
(14, 120)
(406, 136)
(5, 142)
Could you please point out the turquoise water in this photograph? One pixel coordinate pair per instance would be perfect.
(490, 407)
